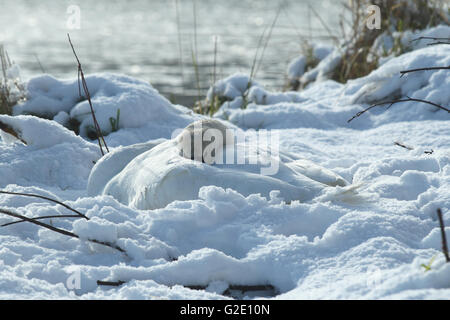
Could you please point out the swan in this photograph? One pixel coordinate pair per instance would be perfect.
(153, 174)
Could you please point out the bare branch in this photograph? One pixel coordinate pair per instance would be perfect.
(423, 69)
(444, 238)
(58, 230)
(430, 38)
(392, 102)
(41, 218)
(45, 198)
(100, 137)
(437, 42)
(231, 287)
(110, 283)
(41, 224)
(332, 36)
(403, 145)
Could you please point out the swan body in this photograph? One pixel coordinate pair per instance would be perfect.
(154, 174)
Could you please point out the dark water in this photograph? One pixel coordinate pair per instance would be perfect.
(149, 40)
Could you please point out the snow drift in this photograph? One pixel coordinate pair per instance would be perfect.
(234, 225)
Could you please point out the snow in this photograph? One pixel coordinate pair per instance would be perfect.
(297, 67)
(409, 40)
(139, 104)
(328, 104)
(185, 223)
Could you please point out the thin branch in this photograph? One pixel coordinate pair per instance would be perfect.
(39, 62)
(392, 102)
(58, 230)
(100, 137)
(41, 224)
(45, 198)
(403, 145)
(268, 39)
(110, 283)
(444, 238)
(430, 38)
(41, 218)
(180, 47)
(108, 244)
(243, 288)
(423, 69)
(227, 292)
(335, 39)
(255, 58)
(437, 42)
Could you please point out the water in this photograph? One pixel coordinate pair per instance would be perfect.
(142, 38)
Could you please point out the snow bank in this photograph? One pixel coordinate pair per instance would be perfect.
(384, 45)
(53, 156)
(140, 105)
(385, 82)
(298, 66)
(328, 104)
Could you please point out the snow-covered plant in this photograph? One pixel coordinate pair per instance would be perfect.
(362, 49)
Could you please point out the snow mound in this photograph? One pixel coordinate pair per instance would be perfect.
(297, 67)
(52, 156)
(139, 103)
(38, 133)
(328, 104)
(385, 44)
(386, 83)
(231, 87)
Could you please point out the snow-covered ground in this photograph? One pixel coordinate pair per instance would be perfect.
(324, 247)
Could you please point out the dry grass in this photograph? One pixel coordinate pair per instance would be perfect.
(358, 48)
(12, 91)
(396, 16)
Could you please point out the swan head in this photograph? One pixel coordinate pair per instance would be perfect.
(194, 140)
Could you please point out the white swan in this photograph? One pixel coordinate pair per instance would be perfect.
(154, 174)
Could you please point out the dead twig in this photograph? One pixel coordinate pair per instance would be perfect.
(58, 230)
(41, 218)
(45, 198)
(444, 238)
(100, 137)
(274, 22)
(392, 102)
(110, 283)
(41, 224)
(423, 69)
(332, 36)
(430, 38)
(437, 42)
(227, 292)
(403, 145)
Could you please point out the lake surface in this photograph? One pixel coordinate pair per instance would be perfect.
(155, 40)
